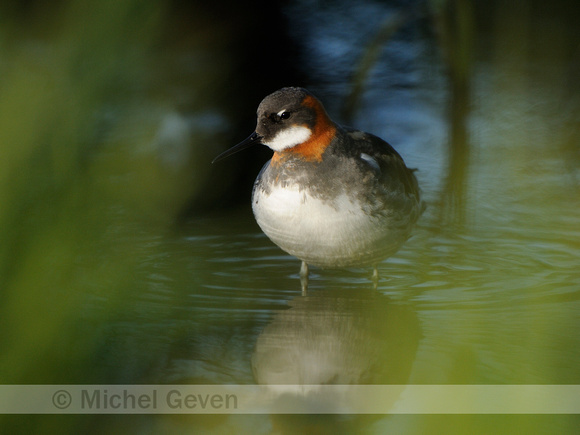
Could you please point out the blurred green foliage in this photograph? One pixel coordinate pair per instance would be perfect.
(73, 197)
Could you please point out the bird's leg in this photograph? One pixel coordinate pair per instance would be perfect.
(304, 277)
(375, 277)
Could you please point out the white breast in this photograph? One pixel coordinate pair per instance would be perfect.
(326, 233)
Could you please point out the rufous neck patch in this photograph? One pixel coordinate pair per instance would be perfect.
(323, 133)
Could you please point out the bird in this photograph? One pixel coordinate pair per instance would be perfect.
(331, 196)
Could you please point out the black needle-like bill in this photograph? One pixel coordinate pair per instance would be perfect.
(253, 139)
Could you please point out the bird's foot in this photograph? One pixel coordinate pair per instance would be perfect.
(375, 277)
(304, 278)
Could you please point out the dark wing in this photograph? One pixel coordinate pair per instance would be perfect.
(395, 184)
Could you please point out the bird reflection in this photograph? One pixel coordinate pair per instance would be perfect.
(342, 337)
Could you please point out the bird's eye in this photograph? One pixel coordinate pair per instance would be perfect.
(280, 116)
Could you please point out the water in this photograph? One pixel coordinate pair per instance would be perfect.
(508, 300)
(495, 300)
(491, 297)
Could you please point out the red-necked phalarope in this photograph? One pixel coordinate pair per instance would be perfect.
(331, 196)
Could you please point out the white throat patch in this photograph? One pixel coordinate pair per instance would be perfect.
(289, 137)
